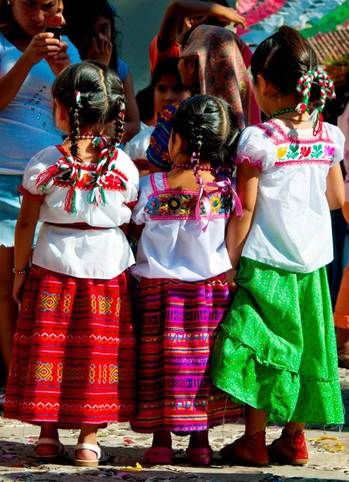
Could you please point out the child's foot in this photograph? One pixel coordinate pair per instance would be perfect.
(247, 450)
(160, 453)
(88, 455)
(199, 455)
(290, 448)
(158, 456)
(199, 451)
(49, 448)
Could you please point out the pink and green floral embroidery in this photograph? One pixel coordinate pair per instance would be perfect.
(304, 153)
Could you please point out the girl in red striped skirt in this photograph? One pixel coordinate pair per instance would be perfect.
(183, 296)
(73, 360)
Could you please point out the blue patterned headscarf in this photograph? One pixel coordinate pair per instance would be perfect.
(157, 152)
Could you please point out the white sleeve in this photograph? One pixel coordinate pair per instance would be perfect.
(256, 148)
(132, 174)
(36, 166)
(138, 214)
(338, 139)
(137, 147)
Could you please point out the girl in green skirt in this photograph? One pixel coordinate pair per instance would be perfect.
(275, 352)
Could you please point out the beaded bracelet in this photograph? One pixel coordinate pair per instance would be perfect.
(21, 272)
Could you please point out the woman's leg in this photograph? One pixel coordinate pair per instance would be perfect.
(8, 307)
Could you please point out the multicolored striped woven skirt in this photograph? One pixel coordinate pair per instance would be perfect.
(178, 321)
(74, 352)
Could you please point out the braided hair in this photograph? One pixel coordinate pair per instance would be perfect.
(288, 61)
(207, 124)
(93, 95)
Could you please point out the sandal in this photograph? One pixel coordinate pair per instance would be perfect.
(199, 455)
(60, 449)
(158, 456)
(96, 448)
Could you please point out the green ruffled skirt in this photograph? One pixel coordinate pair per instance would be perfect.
(276, 349)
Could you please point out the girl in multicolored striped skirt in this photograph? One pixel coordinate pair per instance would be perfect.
(276, 351)
(183, 294)
(73, 360)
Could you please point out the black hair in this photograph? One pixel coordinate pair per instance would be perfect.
(81, 15)
(6, 17)
(207, 124)
(94, 97)
(145, 97)
(283, 58)
(168, 66)
(145, 102)
(8, 24)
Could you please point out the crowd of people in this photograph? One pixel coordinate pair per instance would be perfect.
(163, 256)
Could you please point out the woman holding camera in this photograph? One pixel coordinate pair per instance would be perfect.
(30, 58)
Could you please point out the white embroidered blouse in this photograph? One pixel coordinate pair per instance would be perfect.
(291, 227)
(102, 252)
(173, 243)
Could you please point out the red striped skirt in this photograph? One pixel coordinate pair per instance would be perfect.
(74, 352)
(178, 322)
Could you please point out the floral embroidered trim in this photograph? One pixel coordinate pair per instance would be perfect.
(299, 152)
(177, 205)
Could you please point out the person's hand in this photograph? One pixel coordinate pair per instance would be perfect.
(18, 286)
(60, 60)
(100, 49)
(42, 45)
(230, 279)
(236, 18)
(229, 15)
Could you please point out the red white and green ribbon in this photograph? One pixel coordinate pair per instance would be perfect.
(71, 168)
(304, 86)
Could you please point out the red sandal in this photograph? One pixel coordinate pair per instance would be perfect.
(59, 450)
(158, 456)
(199, 455)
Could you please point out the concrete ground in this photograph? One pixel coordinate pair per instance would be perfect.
(329, 456)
